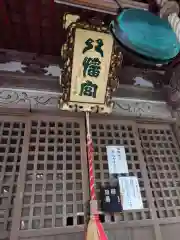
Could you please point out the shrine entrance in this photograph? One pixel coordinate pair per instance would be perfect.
(44, 176)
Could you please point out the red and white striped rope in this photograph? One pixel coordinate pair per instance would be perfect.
(91, 172)
(90, 150)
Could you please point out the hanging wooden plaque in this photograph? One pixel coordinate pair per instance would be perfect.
(89, 74)
(91, 62)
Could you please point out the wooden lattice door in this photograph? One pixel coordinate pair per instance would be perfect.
(44, 178)
(119, 132)
(11, 142)
(52, 191)
(163, 163)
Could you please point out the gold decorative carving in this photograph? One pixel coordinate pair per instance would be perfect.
(70, 18)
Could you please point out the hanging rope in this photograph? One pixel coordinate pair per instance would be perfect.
(174, 21)
(95, 229)
(170, 11)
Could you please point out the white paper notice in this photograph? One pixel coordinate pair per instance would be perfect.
(117, 159)
(130, 193)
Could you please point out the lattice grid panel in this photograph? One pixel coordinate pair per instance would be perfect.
(53, 192)
(162, 157)
(118, 133)
(11, 140)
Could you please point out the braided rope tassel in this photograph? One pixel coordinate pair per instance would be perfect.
(94, 212)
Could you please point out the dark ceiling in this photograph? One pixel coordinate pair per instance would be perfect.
(36, 25)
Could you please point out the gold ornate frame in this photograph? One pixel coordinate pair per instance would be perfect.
(65, 82)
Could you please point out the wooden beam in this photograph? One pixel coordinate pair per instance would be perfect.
(29, 81)
(97, 5)
(109, 6)
(25, 36)
(5, 25)
(33, 8)
(14, 55)
(14, 25)
(49, 83)
(4, 15)
(132, 4)
(54, 26)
